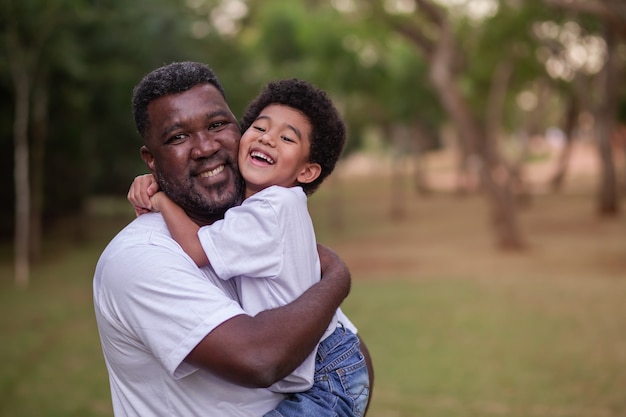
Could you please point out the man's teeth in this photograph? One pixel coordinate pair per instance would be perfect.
(207, 174)
(262, 156)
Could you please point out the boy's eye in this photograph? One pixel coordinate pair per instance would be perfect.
(259, 128)
(288, 139)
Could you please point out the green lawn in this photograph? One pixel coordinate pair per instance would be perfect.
(455, 327)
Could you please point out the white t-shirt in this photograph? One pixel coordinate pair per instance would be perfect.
(268, 246)
(153, 306)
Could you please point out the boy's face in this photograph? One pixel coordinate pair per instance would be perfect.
(275, 150)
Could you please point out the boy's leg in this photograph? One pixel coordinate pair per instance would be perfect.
(341, 386)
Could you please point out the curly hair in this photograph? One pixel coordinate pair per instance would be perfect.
(328, 131)
(169, 79)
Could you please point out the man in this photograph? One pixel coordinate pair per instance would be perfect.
(175, 340)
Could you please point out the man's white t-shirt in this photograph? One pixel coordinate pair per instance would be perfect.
(153, 305)
(268, 246)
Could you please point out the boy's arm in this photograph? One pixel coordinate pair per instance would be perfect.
(182, 228)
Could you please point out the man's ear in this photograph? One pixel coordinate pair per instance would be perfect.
(309, 173)
(147, 157)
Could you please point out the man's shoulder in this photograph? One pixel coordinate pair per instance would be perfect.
(144, 225)
(146, 230)
(145, 250)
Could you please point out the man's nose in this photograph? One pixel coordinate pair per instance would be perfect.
(204, 145)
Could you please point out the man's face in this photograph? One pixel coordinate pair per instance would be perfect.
(191, 148)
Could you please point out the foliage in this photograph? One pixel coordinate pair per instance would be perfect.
(96, 51)
(90, 67)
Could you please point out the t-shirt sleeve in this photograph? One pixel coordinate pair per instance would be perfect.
(160, 299)
(248, 241)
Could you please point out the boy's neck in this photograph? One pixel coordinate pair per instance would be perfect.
(248, 192)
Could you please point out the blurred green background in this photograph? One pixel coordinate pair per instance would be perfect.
(478, 202)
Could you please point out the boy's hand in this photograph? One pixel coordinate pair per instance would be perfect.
(140, 192)
(158, 200)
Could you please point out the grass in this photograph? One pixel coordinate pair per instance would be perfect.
(456, 328)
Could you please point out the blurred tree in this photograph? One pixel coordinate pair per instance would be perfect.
(369, 71)
(608, 22)
(28, 32)
(435, 34)
(398, 68)
(284, 40)
(72, 66)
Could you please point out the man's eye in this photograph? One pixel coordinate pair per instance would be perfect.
(175, 139)
(217, 125)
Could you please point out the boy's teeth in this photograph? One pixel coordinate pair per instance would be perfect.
(260, 155)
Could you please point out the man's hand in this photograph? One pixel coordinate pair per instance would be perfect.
(334, 268)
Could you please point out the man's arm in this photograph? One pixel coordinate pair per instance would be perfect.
(258, 351)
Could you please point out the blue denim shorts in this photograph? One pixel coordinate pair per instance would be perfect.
(341, 382)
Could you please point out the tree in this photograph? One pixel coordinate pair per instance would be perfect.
(430, 29)
(93, 62)
(611, 26)
(27, 34)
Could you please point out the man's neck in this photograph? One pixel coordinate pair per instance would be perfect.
(204, 219)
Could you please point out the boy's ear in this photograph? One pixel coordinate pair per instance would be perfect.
(309, 173)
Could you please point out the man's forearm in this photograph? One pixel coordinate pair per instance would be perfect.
(258, 351)
(304, 321)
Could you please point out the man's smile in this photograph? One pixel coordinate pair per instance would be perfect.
(212, 172)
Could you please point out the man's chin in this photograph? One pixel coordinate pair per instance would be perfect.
(213, 203)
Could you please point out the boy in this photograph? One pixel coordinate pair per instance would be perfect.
(293, 137)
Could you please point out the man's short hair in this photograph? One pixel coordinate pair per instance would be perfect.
(169, 79)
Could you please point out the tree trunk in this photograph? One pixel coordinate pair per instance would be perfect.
(22, 63)
(39, 135)
(495, 177)
(493, 123)
(398, 199)
(336, 210)
(503, 205)
(571, 117)
(465, 173)
(422, 139)
(608, 201)
(22, 187)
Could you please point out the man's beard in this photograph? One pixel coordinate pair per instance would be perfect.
(197, 205)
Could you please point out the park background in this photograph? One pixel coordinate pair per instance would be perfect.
(477, 204)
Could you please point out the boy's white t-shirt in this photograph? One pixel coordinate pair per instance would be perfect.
(268, 245)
